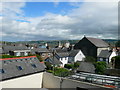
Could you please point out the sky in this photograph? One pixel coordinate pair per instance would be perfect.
(26, 21)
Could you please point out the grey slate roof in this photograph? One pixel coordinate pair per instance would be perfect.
(86, 67)
(73, 53)
(105, 54)
(55, 61)
(59, 50)
(40, 50)
(97, 42)
(7, 48)
(29, 66)
(62, 52)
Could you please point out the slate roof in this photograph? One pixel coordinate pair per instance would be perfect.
(86, 67)
(7, 48)
(59, 50)
(55, 61)
(97, 42)
(105, 54)
(40, 50)
(11, 67)
(73, 53)
(62, 52)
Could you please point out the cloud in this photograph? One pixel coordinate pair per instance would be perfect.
(56, 3)
(12, 10)
(91, 18)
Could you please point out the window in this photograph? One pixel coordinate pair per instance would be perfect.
(19, 68)
(2, 71)
(33, 65)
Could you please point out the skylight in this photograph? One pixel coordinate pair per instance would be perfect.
(19, 68)
(33, 65)
(2, 71)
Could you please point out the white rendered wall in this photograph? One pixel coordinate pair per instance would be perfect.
(79, 56)
(112, 55)
(30, 81)
(64, 61)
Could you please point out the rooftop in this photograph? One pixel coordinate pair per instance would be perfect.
(17, 67)
(105, 53)
(97, 42)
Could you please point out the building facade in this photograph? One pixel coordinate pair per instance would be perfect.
(91, 46)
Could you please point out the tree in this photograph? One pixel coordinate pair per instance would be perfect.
(76, 65)
(100, 67)
(69, 66)
(117, 62)
(61, 72)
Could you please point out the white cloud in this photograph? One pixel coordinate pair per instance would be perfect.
(12, 9)
(92, 19)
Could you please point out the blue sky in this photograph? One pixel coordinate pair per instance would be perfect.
(23, 21)
(35, 9)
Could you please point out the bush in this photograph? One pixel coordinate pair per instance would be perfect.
(117, 62)
(50, 71)
(72, 66)
(76, 65)
(61, 72)
(100, 67)
(9, 56)
(69, 66)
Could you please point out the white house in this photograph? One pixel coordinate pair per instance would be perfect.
(20, 52)
(106, 55)
(76, 55)
(62, 57)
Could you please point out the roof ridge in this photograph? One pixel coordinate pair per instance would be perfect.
(17, 58)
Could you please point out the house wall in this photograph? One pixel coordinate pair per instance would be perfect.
(79, 57)
(103, 59)
(112, 55)
(100, 49)
(87, 47)
(64, 60)
(50, 81)
(30, 81)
